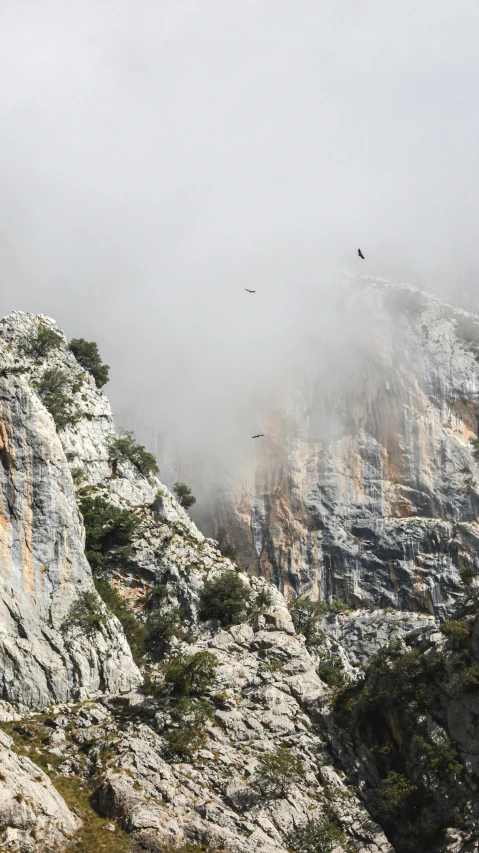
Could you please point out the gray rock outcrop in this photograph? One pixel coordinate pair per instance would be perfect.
(366, 487)
(43, 569)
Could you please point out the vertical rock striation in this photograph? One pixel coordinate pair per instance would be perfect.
(367, 487)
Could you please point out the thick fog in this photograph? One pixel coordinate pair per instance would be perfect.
(157, 158)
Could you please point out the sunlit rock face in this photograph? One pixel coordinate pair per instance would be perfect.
(366, 486)
(43, 569)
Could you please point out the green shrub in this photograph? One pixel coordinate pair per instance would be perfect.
(306, 615)
(318, 836)
(475, 447)
(339, 606)
(190, 734)
(125, 447)
(87, 354)
(225, 598)
(183, 495)
(263, 600)
(191, 674)
(135, 631)
(86, 613)
(52, 390)
(109, 530)
(467, 575)
(395, 795)
(278, 771)
(441, 758)
(457, 630)
(41, 342)
(330, 670)
(78, 476)
(468, 678)
(162, 626)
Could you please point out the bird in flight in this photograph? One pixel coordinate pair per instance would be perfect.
(250, 291)
(360, 254)
(260, 435)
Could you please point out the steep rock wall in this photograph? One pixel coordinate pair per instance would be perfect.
(366, 486)
(43, 569)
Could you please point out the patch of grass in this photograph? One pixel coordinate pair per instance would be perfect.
(93, 836)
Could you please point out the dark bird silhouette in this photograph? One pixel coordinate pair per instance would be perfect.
(260, 435)
(250, 291)
(360, 254)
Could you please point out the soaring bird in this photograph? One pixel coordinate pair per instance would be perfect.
(260, 435)
(360, 254)
(250, 291)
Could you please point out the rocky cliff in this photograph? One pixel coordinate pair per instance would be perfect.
(365, 487)
(43, 568)
(241, 732)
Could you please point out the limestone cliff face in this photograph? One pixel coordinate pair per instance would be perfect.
(43, 569)
(366, 486)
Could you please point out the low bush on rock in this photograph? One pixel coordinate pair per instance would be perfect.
(39, 343)
(306, 615)
(457, 630)
(184, 495)
(225, 598)
(278, 772)
(87, 354)
(135, 631)
(86, 613)
(191, 674)
(53, 390)
(162, 627)
(263, 600)
(322, 835)
(330, 670)
(395, 796)
(109, 530)
(124, 447)
(189, 735)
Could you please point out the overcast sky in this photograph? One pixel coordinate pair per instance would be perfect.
(158, 156)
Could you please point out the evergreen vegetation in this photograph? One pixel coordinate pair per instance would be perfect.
(225, 598)
(87, 354)
(41, 342)
(191, 716)
(322, 835)
(109, 530)
(86, 613)
(306, 615)
(53, 391)
(135, 631)
(277, 772)
(124, 447)
(191, 674)
(183, 495)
